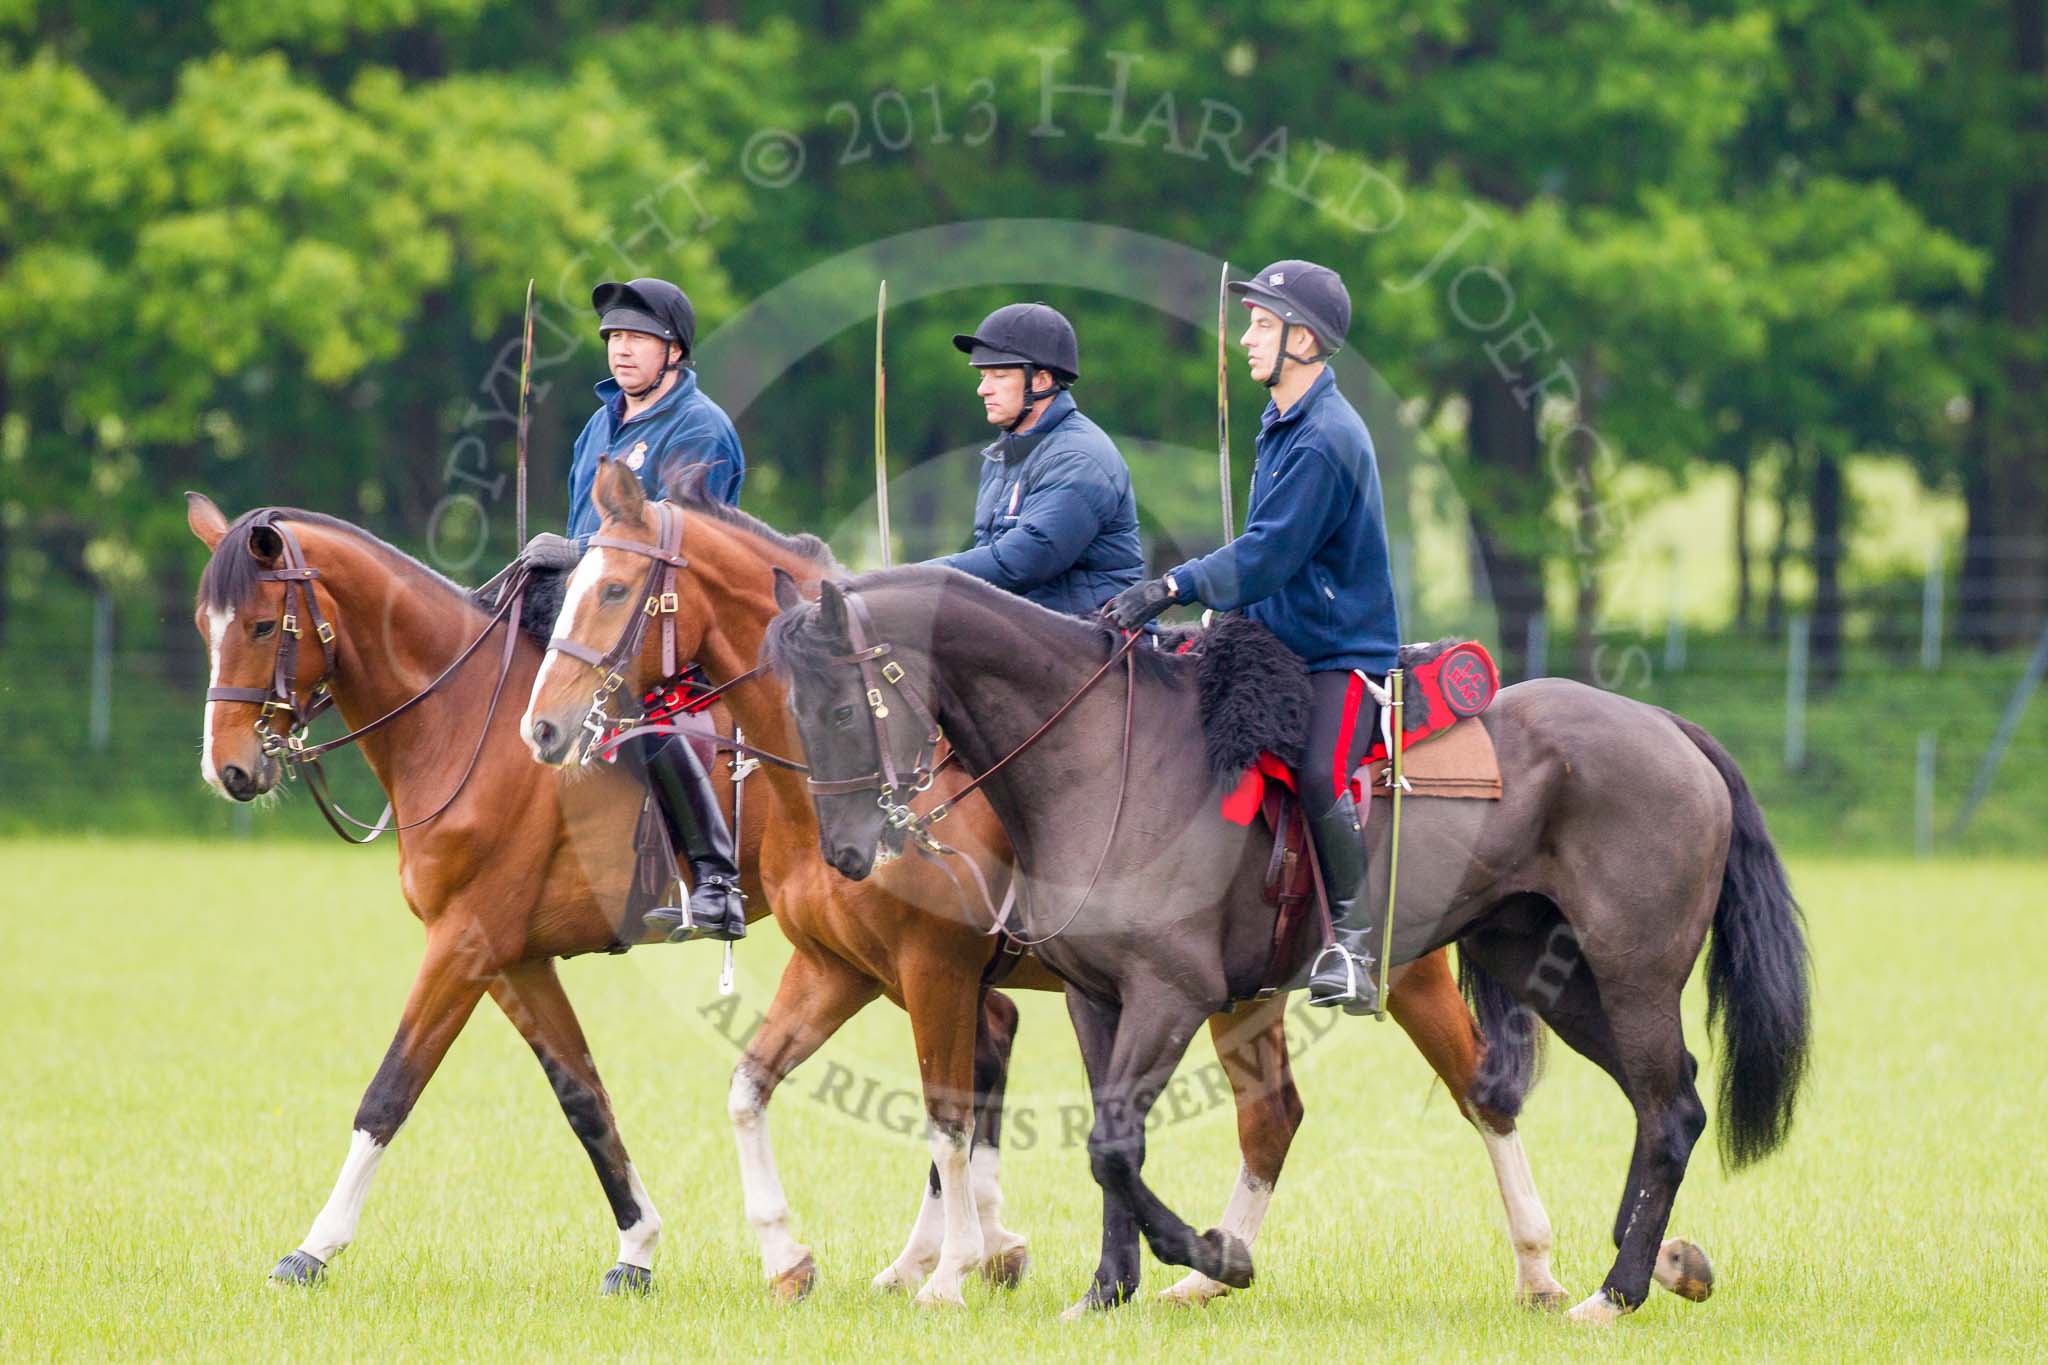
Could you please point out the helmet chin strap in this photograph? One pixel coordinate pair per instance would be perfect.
(661, 377)
(1032, 398)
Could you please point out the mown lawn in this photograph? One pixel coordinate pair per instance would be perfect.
(188, 1027)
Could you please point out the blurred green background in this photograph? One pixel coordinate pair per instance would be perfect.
(1701, 342)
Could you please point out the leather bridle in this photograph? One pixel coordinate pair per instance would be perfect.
(661, 596)
(894, 789)
(282, 698)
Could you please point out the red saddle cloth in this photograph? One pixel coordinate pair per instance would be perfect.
(1444, 686)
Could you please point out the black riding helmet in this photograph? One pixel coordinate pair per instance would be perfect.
(1301, 294)
(1034, 336)
(655, 307)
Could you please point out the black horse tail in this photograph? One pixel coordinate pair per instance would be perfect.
(1758, 978)
(1514, 1040)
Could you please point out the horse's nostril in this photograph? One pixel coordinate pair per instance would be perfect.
(543, 735)
(233, 778)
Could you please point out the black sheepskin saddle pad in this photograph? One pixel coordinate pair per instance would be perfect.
(544, 590)
(1253, 693)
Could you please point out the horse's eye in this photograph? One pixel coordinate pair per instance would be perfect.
(842, 716)
(265, 629)
(614, 593)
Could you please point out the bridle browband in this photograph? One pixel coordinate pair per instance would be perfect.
(289, 746)
(889, 785)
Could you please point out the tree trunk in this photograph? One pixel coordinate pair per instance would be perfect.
(1506, 493)
(1744, 603)
(1827, 507)
(1774, 597)
(2005, 557)
(5, 580)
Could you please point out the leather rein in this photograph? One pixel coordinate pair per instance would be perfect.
(894, 789)
(282, 698)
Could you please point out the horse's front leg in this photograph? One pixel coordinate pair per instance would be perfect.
(1251, 1047)
(944, 1005)
(530, 993)
(816, 995)
(458, 965)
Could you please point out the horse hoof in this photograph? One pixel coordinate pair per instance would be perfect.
(894, 1280)
(1194, 1290)
(1006, 1269)
(793, 1284)
(934, 1298)
(1543, 1300)
(1600, 1310)
(1682, 1268)
(300, 1267)
(627, 1279)
(1233, 1258)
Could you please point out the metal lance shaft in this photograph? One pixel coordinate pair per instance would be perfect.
(881, 426)
(525, 381)
(1223, 402)
(1395, 678)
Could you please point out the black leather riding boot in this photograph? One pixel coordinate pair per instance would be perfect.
(1346, 972)
(697, 829)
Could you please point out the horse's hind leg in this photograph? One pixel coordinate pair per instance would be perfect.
(451, 979)
(815, 996)
(530, 994)
(1251, 1048)
(1632, 1033)
(1425, 1002)
(945, 1014)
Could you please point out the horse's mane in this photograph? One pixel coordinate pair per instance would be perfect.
(792, 646)
(231, 574)
(686, 488)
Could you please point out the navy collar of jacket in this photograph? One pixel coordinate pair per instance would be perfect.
(1325, 384)
(1015, 445)
(614, 397)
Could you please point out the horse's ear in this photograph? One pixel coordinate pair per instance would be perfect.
(617, 491)
(832, 609)
(205, 519)
(786, 594)
(266, 543)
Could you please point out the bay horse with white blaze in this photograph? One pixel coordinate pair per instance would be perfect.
(1587, 890)
(914, 937)
(519, 869)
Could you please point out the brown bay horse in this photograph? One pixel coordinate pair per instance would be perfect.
(915, 938)
(521, 869)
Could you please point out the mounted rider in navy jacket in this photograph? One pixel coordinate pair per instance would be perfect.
(1312, 566)
(1055, 519)
(655, 419)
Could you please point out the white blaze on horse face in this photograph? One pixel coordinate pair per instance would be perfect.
(583, 581)
(637, 1243)
(218, 619)
(335, 1228)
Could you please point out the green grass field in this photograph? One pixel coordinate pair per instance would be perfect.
(188, 1028)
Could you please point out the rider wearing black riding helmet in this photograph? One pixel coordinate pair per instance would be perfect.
(653, 418)
(1312, 565)
(1055, 519)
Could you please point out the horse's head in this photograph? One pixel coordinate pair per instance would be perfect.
(260, 642)
(866, 728)
(607, 597)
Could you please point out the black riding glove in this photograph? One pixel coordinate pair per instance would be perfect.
(1134, 606)
(550, 551)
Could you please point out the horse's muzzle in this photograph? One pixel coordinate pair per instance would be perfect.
(549, 742)
(852, 863)
(244, 785)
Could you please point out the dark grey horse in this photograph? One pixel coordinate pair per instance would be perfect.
(1586, 891)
